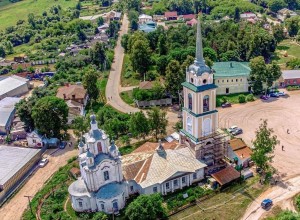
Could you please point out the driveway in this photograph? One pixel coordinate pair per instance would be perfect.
(14, 208)
(282, 113)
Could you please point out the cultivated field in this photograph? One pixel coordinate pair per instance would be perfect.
(10, 13)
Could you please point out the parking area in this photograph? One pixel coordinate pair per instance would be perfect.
(283, 114)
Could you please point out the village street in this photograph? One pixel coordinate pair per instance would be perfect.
(14, 208)
(113, 87)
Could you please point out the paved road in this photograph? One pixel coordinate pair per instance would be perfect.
(113, 87)
(280, 194)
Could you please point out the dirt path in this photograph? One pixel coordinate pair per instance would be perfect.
(14, 208)
(280, 194)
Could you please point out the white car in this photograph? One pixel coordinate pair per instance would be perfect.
(43, 162)
(232, 128)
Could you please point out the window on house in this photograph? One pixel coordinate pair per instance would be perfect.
(295, 81)
(106, 175)
(227, 90)
(189, 125)
(183, 179)
(131, 188)
(192, 80)
(232, 80)
(80, 204)
(236, 80)
(206, 103)
(99, 146)
(190, 100)
(175, 182)
(218, 81)
(102, 207)
(155, 189)
(194, 176)
(227, 80)
(33, 141)
(241, 80)
(222, 81)
(168, 185)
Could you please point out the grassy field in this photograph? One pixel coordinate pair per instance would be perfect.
(288, 47)
(10, 13)
(229, 204)
(232, 98)
(127, 97)
(131, 80)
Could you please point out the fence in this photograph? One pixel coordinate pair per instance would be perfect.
(159, 102)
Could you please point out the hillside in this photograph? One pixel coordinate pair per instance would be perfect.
(10, 13)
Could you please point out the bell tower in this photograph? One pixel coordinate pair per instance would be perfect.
(199, 113)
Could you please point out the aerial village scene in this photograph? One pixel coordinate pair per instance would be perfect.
(145, 110)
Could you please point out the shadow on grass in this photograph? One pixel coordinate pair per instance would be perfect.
(283, 47)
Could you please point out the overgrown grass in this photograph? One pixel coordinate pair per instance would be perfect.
(128, 77)
(291, 48)
(127, 97)
(59, 177)
(11, 13)
(226, 205)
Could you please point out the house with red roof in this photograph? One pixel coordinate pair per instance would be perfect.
(171, 15)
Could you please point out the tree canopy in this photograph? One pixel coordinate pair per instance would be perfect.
(50, 116)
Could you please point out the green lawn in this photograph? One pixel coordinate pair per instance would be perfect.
(229, 204)
(232, 98)
(289, 47)
(11, 13)
(127, 97)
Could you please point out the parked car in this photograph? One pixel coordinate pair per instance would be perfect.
(62, 145)
(264, 97)
(226, 105)
(232, 128)
(43, 162)
(281, 93)
(237, 131)
(266, 203)
(274, 95)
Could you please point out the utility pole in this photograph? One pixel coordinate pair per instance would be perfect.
(28, 197)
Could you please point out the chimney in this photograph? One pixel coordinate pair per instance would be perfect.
(242, 155)
(231, 66)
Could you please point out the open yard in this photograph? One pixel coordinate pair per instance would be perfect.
(229, 204)
(282, 113)
(10, 13)
(289, 48)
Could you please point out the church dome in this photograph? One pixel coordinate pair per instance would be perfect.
(199, 69)
(78, 188)
(81, 144)
(97, 134)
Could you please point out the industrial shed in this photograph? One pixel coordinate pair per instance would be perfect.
(13, 86)
(15, 165)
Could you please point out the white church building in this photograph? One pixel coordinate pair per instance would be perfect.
(107, 179)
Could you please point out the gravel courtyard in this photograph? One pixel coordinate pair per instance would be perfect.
(282, 113)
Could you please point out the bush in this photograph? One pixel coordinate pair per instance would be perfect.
(250, 98)
(291, 88)
(242, 98)
(298, 202)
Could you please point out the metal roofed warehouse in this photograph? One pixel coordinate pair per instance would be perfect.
(15, 164)
(13, 86)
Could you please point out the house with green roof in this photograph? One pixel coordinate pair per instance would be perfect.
(231, 77)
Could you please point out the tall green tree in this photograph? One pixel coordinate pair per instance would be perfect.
(258, 73)
(158, 121)
(50, 116)
(264, 145)
(80, 125)
(237, 14)
(139, 125)
(140, 56)
(90, 79)
(148, 207)
(278, 33)
(162, 44)
(174, 78)
(24, 110)
(276, 5)
(2, 51)
(98, 55)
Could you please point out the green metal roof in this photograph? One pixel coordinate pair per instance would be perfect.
(231, 69)
(198, 88)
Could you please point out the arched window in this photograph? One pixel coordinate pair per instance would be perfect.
(190, 101)
(206, 103)
(192, 80)
(189, 125)
(106, 175)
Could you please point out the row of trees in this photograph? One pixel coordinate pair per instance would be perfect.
(124, 126)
